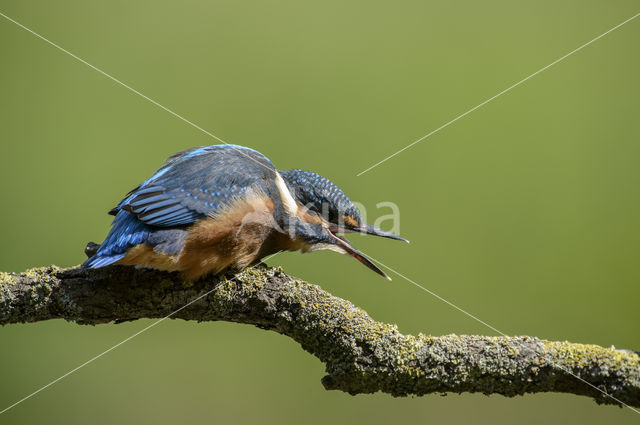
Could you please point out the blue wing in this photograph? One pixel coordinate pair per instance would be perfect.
(192, 184)
(196, 183)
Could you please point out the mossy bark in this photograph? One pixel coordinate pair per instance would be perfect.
(361, 355)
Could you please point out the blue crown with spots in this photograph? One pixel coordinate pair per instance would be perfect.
(315, 192)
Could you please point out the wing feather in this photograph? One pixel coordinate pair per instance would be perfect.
(198, 182)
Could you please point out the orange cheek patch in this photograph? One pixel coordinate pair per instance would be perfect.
(350, 221)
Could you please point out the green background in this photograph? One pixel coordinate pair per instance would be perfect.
(524, 213)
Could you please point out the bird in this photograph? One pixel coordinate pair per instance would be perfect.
(219, 208)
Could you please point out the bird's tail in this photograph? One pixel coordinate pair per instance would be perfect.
(127, 231)
(98, 260)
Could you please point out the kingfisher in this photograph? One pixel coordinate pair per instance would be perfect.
(221, 208)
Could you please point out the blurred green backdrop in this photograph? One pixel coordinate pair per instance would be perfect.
(525, 213)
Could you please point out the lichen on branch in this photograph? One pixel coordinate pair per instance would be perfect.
(361, 355)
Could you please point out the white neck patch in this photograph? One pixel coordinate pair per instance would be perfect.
(290, 204)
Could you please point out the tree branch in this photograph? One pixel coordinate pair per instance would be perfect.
(361, 355)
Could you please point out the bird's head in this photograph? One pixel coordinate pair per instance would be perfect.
(327, 211)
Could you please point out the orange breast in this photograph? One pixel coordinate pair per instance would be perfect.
(232, 239)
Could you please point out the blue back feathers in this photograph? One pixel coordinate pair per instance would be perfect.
(191, 185)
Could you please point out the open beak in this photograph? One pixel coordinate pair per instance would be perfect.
(344, 244)
(373, 230)
(368, 230)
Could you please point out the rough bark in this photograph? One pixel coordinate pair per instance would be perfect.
(361, 355)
